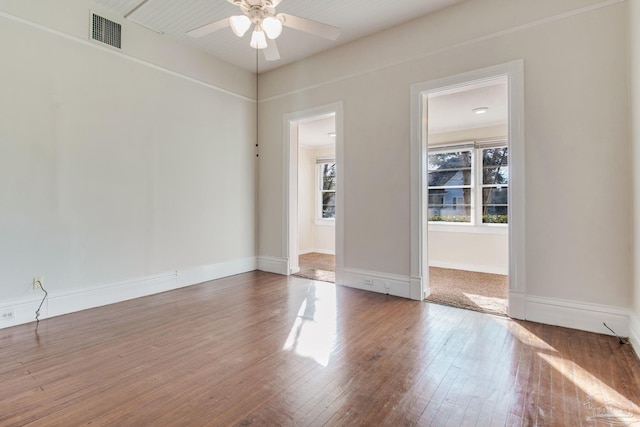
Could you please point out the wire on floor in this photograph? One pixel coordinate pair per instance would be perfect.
(622, 341)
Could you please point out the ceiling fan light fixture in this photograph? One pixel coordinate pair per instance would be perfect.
(258, 40)
(240, 24)
(272, 26)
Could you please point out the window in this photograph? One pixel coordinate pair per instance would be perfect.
(468, 183)
(326, 189)
(495, 180)
(450, 186)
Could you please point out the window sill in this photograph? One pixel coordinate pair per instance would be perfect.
(500, 229)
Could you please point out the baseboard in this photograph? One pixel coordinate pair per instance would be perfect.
(383, 283)
(317, 251)
(273, 265)
(517, 305)
(64, 302)
(634, 333)
(466, 267)
(324, 251)
(415, 289)
(577, 315)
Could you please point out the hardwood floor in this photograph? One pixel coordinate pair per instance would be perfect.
(262, 349)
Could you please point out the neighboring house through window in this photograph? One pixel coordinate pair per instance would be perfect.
(468, 183)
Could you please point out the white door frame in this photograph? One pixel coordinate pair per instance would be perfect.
(514, 71)
(290, 163)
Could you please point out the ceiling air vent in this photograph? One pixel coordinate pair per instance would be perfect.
(106, 31)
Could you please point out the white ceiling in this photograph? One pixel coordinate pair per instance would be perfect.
(448, 110)
(452, 110)
(356, 18)
(314, 133)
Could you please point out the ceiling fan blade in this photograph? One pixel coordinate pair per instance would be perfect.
(271, 52)
(308, 26)
(209, 28)
(275, 3)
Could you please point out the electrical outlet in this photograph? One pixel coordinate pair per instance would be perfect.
(7, 314)
(38, 282)
(368, 282)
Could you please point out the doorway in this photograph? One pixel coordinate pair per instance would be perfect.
(317, 198)
(463, 204)
(314, 191)
(467, 195)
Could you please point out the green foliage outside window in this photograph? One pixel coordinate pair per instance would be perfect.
(486, 219)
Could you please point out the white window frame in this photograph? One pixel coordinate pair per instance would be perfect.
(476, 225)
(319, 219)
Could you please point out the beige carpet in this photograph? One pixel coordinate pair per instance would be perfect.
(464, 289)
(317, 267)
(468, 289)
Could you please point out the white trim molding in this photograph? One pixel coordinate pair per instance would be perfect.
(58, 303)
(290, 249)
(274, 265)
(634, 332)
(374, 281)
(121, 53)
(516, 305)
(514, 71)
(317, 251)
(470, 267)
(418, 292)
(444, 49)
(578, 315)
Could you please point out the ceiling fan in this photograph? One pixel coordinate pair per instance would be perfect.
(266, 25)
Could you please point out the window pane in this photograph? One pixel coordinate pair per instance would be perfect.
(444, 178)
(327, 188)
(453, 160)
(450, 196)
(329, 183)
(328, 205)
(495, 156)
(495, 175)
(493, 214)
(495, 196)
(450, 213)
(328, 176)
(328, 211)
(495, 205)
(495, 168)
(329, 198)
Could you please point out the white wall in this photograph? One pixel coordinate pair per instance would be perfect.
(634, 21)
(485, 251)
(578, 243)
(117, 169)
(313, 236)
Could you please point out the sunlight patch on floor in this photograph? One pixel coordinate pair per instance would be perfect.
(602, 403)
(313, 333)
(489, 303)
